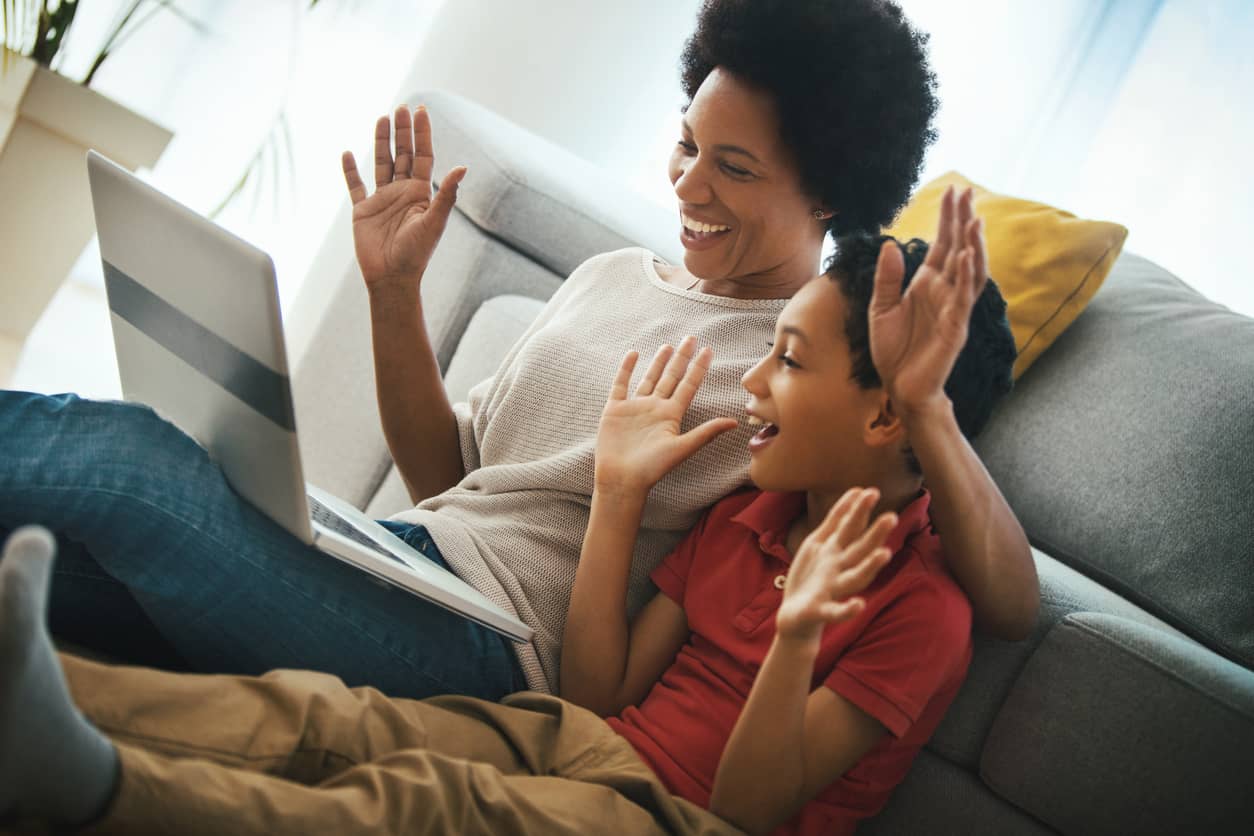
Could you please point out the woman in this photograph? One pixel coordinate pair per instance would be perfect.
(805, 118)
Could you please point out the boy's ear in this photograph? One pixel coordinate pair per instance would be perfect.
(886, 427)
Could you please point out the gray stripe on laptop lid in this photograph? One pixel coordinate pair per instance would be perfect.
(265, 390)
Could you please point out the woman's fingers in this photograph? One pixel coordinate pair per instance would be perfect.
(352, 178)
(404, 143)
(382, 152)
(649, 380)
(424, 153)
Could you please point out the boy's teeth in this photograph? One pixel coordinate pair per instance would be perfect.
(754, 421)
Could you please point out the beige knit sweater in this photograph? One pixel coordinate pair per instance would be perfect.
(514, 526)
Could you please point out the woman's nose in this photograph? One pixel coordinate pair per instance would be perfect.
(691, 185)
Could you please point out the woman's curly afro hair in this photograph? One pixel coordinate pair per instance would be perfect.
(852, 86)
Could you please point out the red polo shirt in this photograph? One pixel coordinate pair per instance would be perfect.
(901, 660)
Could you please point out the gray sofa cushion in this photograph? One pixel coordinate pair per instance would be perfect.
(1115, 727)
(996, 664)
(1127, 452)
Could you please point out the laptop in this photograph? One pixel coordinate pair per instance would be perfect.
(199, 337)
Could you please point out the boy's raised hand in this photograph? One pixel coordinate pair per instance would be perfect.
(638, 441)
(916, 336)
(396, 229)
(838, 560)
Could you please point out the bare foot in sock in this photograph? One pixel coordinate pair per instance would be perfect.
(54, 765)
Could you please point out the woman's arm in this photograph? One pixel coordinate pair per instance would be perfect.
(607, 665)
(395, 232)
(790, 743)
(915, 339)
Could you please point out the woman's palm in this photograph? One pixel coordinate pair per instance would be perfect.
(396, 229)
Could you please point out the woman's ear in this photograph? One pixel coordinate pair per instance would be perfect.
(885, 427)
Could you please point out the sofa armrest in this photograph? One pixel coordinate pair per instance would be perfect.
(1117, 727)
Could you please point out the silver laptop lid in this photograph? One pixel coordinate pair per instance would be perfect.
(199, 336)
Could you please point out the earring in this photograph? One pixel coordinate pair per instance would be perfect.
(818, 214)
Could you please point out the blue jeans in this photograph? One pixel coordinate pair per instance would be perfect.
(161, 563)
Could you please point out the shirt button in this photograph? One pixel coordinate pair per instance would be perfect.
(780, 580)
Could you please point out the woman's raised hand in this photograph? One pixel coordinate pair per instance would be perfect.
(916, 336)
(638, 441)
(396, 229)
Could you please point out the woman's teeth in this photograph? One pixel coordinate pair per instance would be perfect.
(699, 227)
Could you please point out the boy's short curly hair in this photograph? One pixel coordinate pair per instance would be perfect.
(983, 371)
(852, 86)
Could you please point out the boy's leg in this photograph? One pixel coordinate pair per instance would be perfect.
(411, 791)
(194, 749)
(226, 587)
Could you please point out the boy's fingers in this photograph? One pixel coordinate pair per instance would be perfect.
(382, 152)
(694, 377)
(832, 611)
(854, 580)
(837, 513)
(855, 522)
(698, 437)
(676, 368)
(352, 178)
(889, 270)
(618, 389)
(940, 247)
(651, 374)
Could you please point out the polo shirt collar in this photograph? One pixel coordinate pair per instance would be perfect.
(771, 513)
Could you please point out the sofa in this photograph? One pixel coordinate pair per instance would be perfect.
(1127, 451)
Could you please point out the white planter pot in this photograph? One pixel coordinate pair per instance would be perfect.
(47, 123)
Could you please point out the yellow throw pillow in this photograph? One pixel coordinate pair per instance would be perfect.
(1048, 263)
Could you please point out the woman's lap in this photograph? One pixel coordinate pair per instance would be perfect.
(166, 542)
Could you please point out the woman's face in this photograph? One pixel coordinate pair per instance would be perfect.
(743, 212)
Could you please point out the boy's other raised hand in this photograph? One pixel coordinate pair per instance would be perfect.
(835, 562)
(916, 336)
(396, 229)
(638, 441)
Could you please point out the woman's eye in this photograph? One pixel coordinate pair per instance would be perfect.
(788, 361)
(734, 171)
(688, 146)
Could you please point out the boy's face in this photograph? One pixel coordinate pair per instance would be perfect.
(818, 418)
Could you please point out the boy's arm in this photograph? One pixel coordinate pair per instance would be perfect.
(985, 546)
(606, 664)
(789, 743)
(915, 339)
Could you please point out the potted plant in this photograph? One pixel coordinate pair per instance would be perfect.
(47, 123)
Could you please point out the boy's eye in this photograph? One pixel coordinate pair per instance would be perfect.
(784, 358)
(687, 146)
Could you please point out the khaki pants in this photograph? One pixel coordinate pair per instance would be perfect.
(299, 752)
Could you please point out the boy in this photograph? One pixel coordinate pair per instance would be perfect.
(298, 752)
